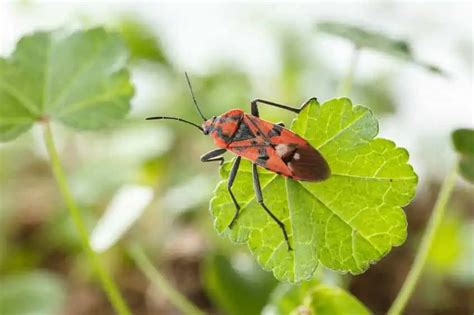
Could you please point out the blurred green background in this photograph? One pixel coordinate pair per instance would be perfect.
(233, 53)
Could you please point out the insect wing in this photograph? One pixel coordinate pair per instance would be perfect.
(288, 153)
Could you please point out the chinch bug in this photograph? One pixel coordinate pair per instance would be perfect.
(265, 144)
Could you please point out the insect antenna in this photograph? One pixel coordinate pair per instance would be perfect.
(192, 95)
(178, 119)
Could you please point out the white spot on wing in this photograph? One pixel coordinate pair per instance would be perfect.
(296, 156)
(281, 149)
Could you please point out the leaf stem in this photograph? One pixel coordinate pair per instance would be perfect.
(108, 284)
(426, 243)
(347, 80)
(158, 280)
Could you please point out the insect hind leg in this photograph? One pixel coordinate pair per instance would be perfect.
(230, 182)
(254, 106)
(258, 193)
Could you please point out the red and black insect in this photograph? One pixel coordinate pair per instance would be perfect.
(265, 144)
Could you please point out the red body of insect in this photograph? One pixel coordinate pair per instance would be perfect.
(263, 143)
(268, 145)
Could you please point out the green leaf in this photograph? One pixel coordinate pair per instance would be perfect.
(78, 79)
(447, 244)
(32, 293)
(326, 300)
(236, 291)
(314, 298)
(463, 140)
(377, 41)
(287, 298)
(141, 41)
(466, 168)
(346, 222)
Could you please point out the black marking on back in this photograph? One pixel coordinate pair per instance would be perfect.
(288, 156)
(220, 134)
(275, 131)
(262, 156)
(258, 131)
(243, 133)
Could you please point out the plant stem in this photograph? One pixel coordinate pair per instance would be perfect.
(347, 80)
(426, 243)
(159, 281)
(108, 284)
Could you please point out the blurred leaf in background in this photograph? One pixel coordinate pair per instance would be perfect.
(287, 298)
(363, 38)
(141, 42)
(312, 297)
(376, 93)
(236, 291)
(463, 140)
(447, 245)
(346, 222)
(37, 292)
(77, 79)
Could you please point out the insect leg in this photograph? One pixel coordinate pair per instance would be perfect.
(282, 124)
(230, 182)
(254, 108)
(258, 192)
(214, 155)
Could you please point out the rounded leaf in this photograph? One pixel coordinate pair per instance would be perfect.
(79, 79)
(346, 222)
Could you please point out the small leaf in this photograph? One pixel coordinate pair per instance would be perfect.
(447, 244)
(39, 293)
(313, 298)
(374, 40)
(466, 167)
(141, 41)
(236, 291)
(78, 79)
(346, 222)
(463, 140)
(326, 300)
(286, 298)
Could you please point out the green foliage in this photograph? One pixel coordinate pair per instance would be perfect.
(32, 293)
(313, 298)
(236, 291)
(77, 79)
(363, 38)
(346, 222)
(463, 140)
(287, 298)
(326, 300)
(377, 93)
(447, 244)
(141, 42)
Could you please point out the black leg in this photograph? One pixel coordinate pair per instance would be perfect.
(258, 192)
(230, 182)
(214, 155)
(254, 108)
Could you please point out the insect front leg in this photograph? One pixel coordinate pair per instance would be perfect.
(258, 193)
(230, 182)
(214, 155)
